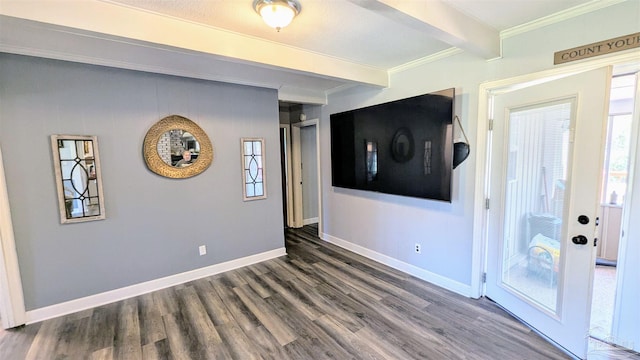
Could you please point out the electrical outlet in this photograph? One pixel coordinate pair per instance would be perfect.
(418, 248)
(202, 249)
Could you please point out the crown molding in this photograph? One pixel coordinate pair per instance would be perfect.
(560, 16)
(425, 60)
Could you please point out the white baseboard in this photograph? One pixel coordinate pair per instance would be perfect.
(439, 280)
(310, 221)
(107, 297)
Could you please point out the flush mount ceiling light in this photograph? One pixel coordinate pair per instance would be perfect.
(277, 13)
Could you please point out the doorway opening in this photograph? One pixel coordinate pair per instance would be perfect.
(300, 165)
(309, 171)
(615, 191)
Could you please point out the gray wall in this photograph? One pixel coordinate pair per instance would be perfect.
(154, 225)
(312, 111)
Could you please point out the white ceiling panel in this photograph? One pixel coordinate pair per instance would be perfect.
(330, 45)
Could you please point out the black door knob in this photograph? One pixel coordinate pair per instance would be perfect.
(580, 240)
(583, 219)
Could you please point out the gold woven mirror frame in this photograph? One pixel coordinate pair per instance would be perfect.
(159, 166)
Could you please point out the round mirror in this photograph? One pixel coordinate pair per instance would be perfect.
(176, 147)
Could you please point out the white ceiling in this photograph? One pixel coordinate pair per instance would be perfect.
(330, 45)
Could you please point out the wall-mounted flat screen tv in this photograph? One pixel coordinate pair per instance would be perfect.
(403, 147)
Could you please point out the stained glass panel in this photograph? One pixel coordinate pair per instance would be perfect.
(253, 168)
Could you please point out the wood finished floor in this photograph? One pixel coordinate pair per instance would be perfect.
(318, 302)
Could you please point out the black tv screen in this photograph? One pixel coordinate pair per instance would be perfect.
(403, 147)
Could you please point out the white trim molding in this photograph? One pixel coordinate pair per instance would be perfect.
(12, 312)
(426, 60)
(560, 16)
(310, 221)
(72, 306)
(443, 282)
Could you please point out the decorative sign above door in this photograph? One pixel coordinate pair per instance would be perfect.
(596, 49)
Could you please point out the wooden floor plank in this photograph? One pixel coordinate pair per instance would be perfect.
(127, 336)
(214, 305)
(346, 315)
(349, 341)
(267, 345)
(196, 316)
(46, 340)
(151, 324)
(304, 271)
(18, 341)
(102, 327)
(240, 346)
(233, 277)
(159, 350)
(165, 299)
(102, 354)
(276, 267)
(179, 336)
(258, 269)
(295, 298)
(255, 282)
(308, 334)
(239, 311)
(276, 326)
(79, 342)
(205, 342)
(379, 343)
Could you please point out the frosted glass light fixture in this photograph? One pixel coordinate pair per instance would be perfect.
(277, 13)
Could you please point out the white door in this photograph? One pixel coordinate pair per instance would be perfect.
(546, 156)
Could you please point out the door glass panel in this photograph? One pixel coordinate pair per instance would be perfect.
(537, 159)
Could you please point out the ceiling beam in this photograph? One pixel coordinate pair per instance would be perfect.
(440, 21)
(108, 21)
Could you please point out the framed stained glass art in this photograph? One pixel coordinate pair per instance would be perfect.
(77, 170)
(254, 185)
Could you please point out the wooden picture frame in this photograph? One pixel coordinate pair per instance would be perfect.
(76, 164)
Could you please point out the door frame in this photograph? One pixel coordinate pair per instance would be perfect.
(12, 309)
(287, 178)
(619, 331)
(483, 145)
(296, 158)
